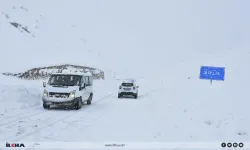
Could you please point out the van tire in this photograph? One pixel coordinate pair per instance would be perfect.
(81, 100)
(119, 95)
(46, 106)
(78, 104)
(90, 99)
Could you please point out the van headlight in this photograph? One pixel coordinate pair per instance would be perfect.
(72, 94)
(45, 93)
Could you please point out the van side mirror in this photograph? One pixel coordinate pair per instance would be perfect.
(82, 86)
(44, 84)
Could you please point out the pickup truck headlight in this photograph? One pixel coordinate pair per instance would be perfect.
(72, 94)
(45, 93)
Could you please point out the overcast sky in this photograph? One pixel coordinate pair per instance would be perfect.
(148, 32)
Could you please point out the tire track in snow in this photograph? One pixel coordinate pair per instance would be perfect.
(33, 122)
(103, 113)
(21, 118)
(18, 114)
(95, 119)
(70, 123)
(29, 114)
(58, 119)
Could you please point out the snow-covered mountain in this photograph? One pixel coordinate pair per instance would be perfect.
(149, 38)
(162, 44)
(45, 72)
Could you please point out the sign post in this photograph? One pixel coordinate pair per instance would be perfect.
(212, 73)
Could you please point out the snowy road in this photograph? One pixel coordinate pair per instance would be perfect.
(107, 114)
(159, 114)
(37, 122)
(28, 122)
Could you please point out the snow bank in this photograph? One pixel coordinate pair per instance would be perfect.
(16, 94)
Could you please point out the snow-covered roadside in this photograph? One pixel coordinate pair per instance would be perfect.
(16, 95)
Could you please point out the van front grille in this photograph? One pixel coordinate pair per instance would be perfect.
(59, 95)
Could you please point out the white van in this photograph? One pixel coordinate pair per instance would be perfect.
(68, 89)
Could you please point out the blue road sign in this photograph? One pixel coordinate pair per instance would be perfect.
(212, 73)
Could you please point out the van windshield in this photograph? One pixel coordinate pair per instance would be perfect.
(65, 80)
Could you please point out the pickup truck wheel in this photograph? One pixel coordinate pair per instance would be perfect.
(90, 99)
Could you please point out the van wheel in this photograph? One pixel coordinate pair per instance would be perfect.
(46, 106)
(119, 95)
(90, 99)
(81, 101)
(78, 104)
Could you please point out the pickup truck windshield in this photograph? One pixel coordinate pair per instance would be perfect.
(65, 80)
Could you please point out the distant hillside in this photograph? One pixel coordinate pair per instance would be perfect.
(17, 25)
(45, 72)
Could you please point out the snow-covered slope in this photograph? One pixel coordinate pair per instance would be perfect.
(45, 72)
(162, 44)
(148, 37)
